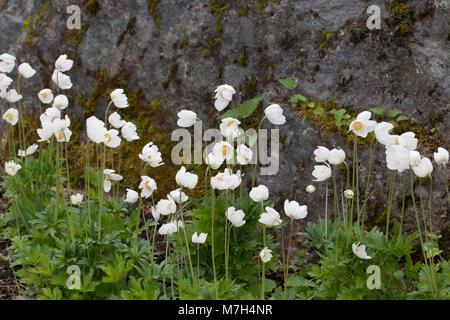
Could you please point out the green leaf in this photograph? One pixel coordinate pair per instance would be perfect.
(402, 118)
(288, 83)
(298, 281)
(298, 97)
(311, 104)
(377, 111)
(269, 285)
(244, 110)
(393, 113)
(318, 111)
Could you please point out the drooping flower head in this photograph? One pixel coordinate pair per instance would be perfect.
(224, 94)
(26, 70)
(7, 62)
(110, 175)
(274, 114)
(186, 179)
(132, 196)
(186, 118)
(441, 157)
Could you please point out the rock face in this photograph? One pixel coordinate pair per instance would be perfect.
(178, 51)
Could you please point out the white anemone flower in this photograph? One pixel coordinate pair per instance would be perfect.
(310, 189)
(46, 96)
(414, 158)
(26, 70)
(132, 196)
(199, 239)
(259, 193)
(61, 80)
(116, 121)
(112, 139)
(11, 168)
(119, 99)
(50, 114)
(294, 210)
(7, 62)
(61, 129)
(362, 126)
(360, 251)
(225, 181)
(63, 64)
(186, 179)
(265, 255)
(382, 132)
(229, 127)
(186, 118)
(168, 228)
(214, 160)
(5, 81)
(244, 154)
(76, 199)
(321, 154)
(155, 214)
(336, 156)
(441, 157)
(166, 206)
(236, 217)
(274, 114)
(46, 132)
(96, 129)
(270, 218)
(129, 132)
(151, 155)
(424, 168)
(397, 158)
(12, 96)
(179, 196)
(30, 150)
(148, 186)
(61, 102)
(321, 173)
(11, 116)
(110, 175)
(348, 194)
(224, 94)
(224, 149)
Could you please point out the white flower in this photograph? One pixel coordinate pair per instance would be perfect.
(229, 127)
(235, 217)
(12, 96)
(166, 206)
(46, 132)
(214, 160)
(129, 132)
(96, 129)
(270, 218)
(424, 168)
(224, 94)
(321, 154)
(26, 70)
(382, 133)
(180, 224)
(61, 102)
(397, 158)
(110, 176)
(119, 99)
(259, 193)
(186, 119)
(225, 181)
(441, 157)
(50, 114)
(407, 140)
(275, 114)
(11, 116)
(151, 155)
(199, 238)
(224, 149)
(155, 214)
(348, 194)
(321, 173)
(294, 211)
(61, 129)
(46, 96)
(30, 150)
(363, 125)
(178, 197)
(148, 186)
(76, 199)
(186, 179)
(414, 158)
(266, 255)
(244, 154)
(132, 196)
(168, 228)
(115, 120)
(5, 81)
(7, 63)
(336, 156)
(310, 189)
(63, 64)
(360, 251)
(11, 168)
(61, 80)
(112, 139)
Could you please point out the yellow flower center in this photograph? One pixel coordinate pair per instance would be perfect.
(149, 157)
(169, 205)
(357, 125)
(44, 95)
(108, 137)
(245, 157)
(225, 150)
(396, 142)
(9, 116)
(220, 179)
(12, 168)
(357, 250)
(147, 186)
(60, 135)
(230, 123)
